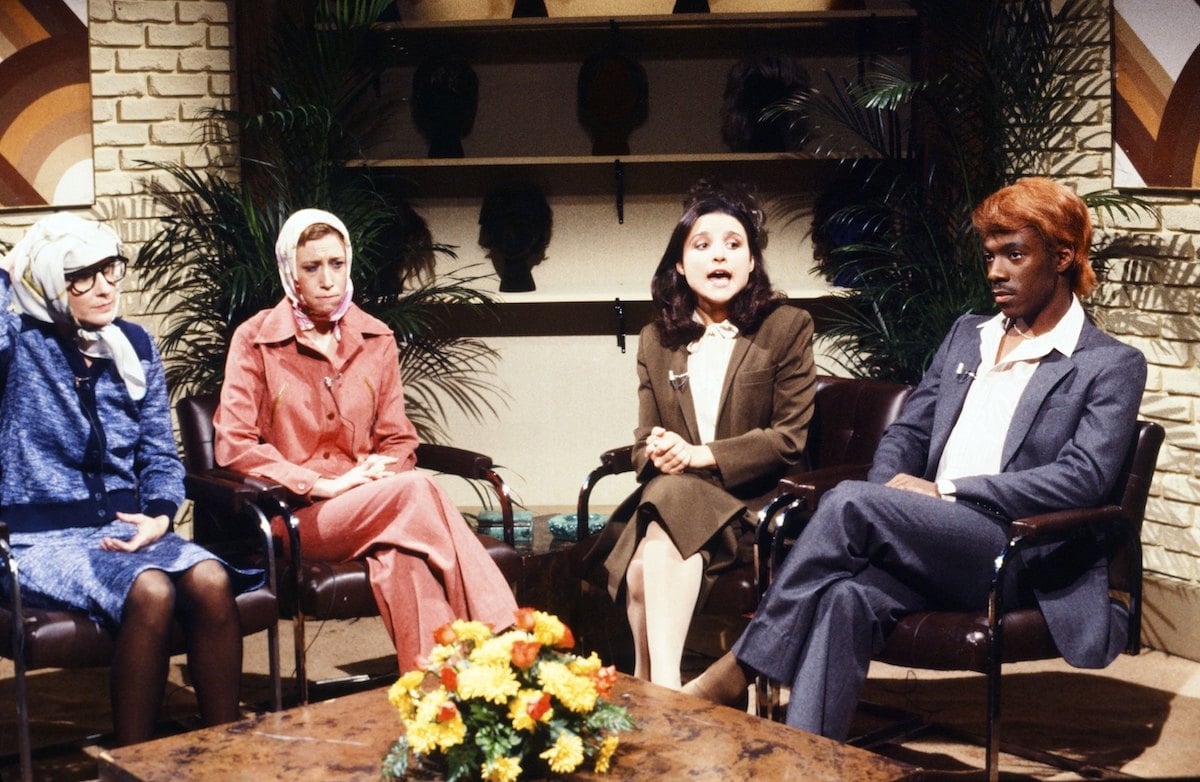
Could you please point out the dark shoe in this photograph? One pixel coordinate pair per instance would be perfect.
(725, 682)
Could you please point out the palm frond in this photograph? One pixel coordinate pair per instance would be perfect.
(212, 264)
(895, 231)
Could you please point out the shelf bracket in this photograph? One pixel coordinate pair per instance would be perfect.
(619, 174)
(619, 308)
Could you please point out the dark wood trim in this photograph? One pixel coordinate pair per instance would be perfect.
(577, 318)
(252, 25)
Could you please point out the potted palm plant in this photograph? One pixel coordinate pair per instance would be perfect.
(994, 100)
(211, 264)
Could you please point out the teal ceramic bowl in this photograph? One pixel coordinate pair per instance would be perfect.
(491, 523)
(565, 526)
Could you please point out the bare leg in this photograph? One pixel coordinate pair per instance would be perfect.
(672, 586)
(214, 640)
(635, 608)
(139, 672)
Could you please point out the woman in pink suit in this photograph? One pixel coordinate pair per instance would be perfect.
(313, 400)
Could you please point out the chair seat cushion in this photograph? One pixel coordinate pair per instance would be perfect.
(342, 590)
(336, 590)
(734, 592)
(58, 639)
(67, 639)
(257, 611)
(958, 641)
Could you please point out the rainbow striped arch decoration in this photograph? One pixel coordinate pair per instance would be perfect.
(1156, 113)
(45, 105)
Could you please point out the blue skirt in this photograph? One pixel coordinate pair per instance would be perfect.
(68, 570)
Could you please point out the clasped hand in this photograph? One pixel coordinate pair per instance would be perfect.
(369, 468)
(671, 454)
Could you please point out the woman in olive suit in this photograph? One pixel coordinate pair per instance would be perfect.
(725, 394)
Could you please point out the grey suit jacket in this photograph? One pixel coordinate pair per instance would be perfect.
(1068, 439)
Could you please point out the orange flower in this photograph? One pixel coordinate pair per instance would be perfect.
(539, 707)
(449, 679)
(445, 635)
(605, 679)
(524, 619)
(568, 639)
(524, 653)
(447, 712)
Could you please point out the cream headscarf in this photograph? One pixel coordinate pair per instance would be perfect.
(52, 248)
(285, 256)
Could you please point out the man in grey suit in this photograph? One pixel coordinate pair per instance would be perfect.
(1029, 411)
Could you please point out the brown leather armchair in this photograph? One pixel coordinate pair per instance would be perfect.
(36, 638)
(849, 417)
(981, 641)
(309, 588)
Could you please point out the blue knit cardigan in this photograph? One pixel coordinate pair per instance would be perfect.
(74, 446)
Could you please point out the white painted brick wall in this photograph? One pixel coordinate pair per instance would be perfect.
(156, 64)
(1150, 300)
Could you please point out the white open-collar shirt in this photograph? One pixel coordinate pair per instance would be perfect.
(976, 444)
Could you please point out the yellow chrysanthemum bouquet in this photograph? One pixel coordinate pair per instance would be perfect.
(494, 707)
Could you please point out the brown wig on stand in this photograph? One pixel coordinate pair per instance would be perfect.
(753, 86)
(445, 94)
(614, 95)
(515, 225)
(674, 301)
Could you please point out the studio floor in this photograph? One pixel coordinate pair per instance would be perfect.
(1138, 718)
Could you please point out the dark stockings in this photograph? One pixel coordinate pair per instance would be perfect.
(139, 670)
(202, 600)
(214, 640)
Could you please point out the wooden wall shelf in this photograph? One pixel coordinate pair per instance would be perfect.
(594, 175)
(656, 37)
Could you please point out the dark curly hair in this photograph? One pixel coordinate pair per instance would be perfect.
(674, 301)
(755, 84)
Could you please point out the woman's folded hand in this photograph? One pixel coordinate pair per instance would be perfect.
(369, 468)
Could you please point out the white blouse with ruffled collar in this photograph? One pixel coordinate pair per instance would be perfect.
(708, 361)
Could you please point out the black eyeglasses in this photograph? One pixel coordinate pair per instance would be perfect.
(82, 281)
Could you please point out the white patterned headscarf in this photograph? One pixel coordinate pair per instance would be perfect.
(285, 256)
(52, 248)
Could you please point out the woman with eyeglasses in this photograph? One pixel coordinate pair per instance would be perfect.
(90, 478)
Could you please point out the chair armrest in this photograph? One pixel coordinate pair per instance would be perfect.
(1044, 528)
(217, 490)
(612, 462)
(6, 556)
(781, 518)
(453, 461)
(618, 459)
(764, 535)
(475, 466)
(243, 498)
(1062, 523)
(812, 484)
